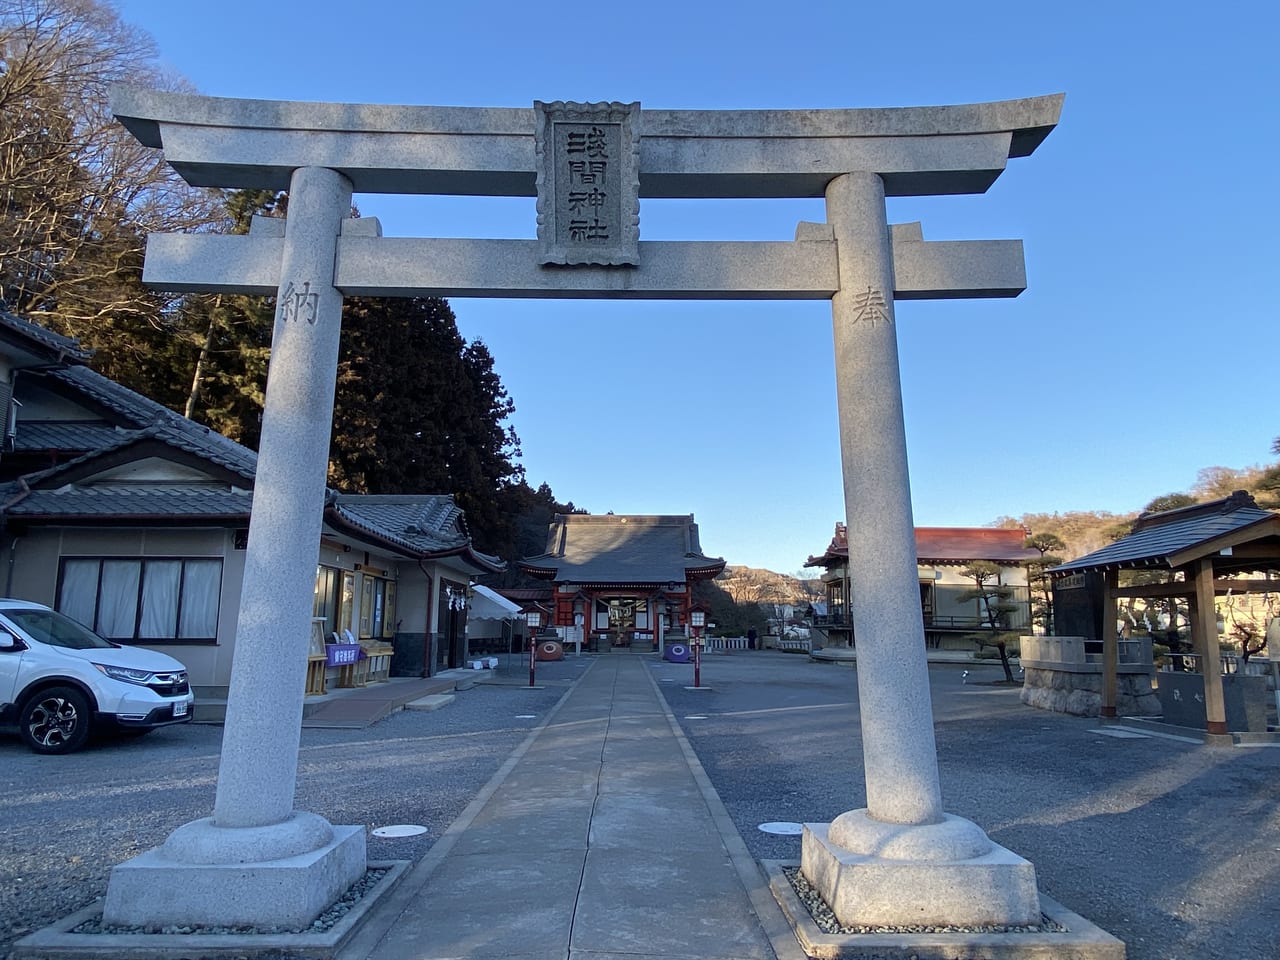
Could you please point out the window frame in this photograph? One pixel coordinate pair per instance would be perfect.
(140, 597)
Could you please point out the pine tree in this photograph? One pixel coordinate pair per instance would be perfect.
(993, 601)
(1042, 604)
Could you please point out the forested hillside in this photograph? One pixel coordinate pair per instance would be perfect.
(1084, 531)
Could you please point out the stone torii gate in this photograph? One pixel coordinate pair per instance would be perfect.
(899, 860)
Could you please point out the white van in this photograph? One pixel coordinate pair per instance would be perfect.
(60, 681)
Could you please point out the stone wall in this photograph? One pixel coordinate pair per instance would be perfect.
(1080, 693)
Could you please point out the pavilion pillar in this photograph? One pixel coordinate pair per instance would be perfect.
(257, 861)
(901, 860)
(1204, 628)
(1110, 644)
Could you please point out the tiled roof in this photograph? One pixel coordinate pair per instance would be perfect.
(623, 549)
(526, 594)
(119, 399)
(147, 418)
(102, 501)
(73, 435)
(423, 524)
(427, 523)
(178, 432)
(948, 545)
(200, 440)
(1157, 537)
(54, 343)
(420, 525)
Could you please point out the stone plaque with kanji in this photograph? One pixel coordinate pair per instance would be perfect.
(588, 182)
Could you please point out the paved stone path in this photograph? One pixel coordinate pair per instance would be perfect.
(600, 837)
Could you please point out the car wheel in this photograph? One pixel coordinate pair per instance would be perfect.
(55, 720)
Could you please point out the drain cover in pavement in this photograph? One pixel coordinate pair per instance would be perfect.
(784, 828)
(397, 830)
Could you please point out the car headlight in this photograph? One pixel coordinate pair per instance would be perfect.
(127, 674)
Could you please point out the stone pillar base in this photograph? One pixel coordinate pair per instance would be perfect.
(995, 887)
(835, 655)
(156, 889)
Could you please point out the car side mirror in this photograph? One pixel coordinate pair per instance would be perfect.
(9, 642)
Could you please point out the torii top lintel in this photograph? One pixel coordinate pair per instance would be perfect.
(489, 151)
(670, 153)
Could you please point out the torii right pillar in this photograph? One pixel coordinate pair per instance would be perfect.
(901, 860)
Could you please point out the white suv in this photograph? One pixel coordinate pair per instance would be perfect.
(60, 681)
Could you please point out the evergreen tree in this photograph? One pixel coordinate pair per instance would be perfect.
(993, 602)
(530, 512)
(420, 410)
(1042, 603)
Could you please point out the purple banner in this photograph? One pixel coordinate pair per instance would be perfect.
(341, 654)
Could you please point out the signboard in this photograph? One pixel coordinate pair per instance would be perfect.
(1078, 606)
(588, 157)
(341, 654)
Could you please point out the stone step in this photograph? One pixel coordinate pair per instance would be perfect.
(433, 702)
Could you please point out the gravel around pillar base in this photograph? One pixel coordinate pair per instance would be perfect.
(994, 887)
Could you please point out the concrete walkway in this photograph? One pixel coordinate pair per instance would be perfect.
(600, 837)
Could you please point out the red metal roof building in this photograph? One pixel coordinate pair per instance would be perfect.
(941, 553)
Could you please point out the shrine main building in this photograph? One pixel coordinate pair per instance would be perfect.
(622, 580)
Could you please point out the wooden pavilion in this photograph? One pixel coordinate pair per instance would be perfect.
(1205, 551)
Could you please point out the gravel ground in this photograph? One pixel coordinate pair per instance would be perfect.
(1172, 847)
(68, 820)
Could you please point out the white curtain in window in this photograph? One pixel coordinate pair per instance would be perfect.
(201, 590)
(160, 599)
(118, 603)
(78, 596)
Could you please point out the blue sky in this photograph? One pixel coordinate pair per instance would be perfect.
(1143, 349)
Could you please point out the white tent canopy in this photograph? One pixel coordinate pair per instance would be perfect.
(489, 605)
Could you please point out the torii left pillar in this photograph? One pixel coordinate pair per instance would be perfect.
(257, 861)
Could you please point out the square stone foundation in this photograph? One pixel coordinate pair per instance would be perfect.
(994, 889)
(1074, 938)
(152, 889)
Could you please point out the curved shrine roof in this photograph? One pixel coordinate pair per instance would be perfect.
(623, 549)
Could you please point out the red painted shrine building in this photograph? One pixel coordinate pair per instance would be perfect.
(622, 580)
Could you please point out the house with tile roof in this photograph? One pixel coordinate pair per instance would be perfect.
(134, 519)
(941, 553)
(621, 581)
